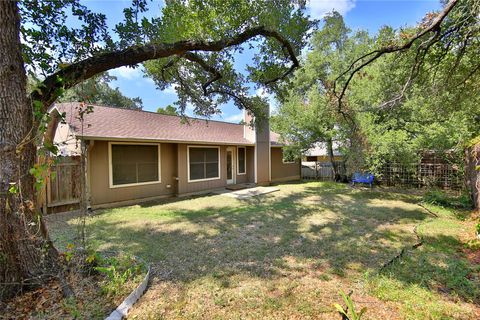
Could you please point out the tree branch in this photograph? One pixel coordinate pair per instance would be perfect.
(237, 98)
(77, 72)
(294, 65)
(198, 59)
(419, 57)
(434, 26)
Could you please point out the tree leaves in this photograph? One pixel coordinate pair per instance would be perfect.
(438, 109)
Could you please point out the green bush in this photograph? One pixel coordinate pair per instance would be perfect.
(442, 198)
(118, 271)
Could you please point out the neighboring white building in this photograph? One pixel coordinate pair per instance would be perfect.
(66, 141)
(320, 149)
(316, 162)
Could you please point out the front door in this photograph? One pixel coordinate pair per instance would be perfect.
(230, 165)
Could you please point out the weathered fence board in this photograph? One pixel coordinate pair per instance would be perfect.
(63, 184)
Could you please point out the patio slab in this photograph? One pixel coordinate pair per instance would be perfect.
(247, 193)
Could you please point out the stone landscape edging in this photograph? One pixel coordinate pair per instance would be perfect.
(121, 311)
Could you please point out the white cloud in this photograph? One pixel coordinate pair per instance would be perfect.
(132, 75)
(318, 8)
(236, 118)
(127, 73)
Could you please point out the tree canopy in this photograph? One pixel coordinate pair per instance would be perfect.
(194, 45)
(97, 90)
(197, 55)
(395, 107)
(168, 110)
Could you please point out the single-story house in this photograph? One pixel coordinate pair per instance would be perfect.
(136, 155)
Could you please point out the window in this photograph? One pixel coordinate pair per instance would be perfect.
(132, 164)
(242, 154)
(203, 163)
(288, 157)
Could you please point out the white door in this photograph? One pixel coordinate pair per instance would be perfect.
(230, 165)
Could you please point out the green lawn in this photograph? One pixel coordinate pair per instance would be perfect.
(286, 255)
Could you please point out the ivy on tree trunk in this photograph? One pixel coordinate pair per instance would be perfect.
(27, 256)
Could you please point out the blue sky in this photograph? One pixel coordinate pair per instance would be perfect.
(359, 14)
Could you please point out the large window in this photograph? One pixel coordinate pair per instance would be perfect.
(288, 157)
(204, 163)
(242, 155)
(132, 164)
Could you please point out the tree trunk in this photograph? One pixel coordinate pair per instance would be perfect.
(472, 173)
(331, 157)
(26, 254)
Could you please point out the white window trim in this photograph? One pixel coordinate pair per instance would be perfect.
(188, 164)
(110, 166)
(238, 162)
(287, 162)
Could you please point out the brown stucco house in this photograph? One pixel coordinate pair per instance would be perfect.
(138, 155)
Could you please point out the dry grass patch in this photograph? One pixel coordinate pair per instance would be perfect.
(283, 255)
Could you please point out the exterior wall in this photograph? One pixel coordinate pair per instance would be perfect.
(185, 187)
(261, 154)
(174, 173)
(284, 171)
(248, 131)
(100, 191)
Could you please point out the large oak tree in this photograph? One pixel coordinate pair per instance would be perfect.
(195, 44)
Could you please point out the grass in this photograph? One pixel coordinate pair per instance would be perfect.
(286, 255)
(436, 281)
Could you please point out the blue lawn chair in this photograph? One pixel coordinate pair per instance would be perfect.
(362, 178)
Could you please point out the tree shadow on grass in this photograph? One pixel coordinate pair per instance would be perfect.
(340, 232)
(439, 266)
(320, 229)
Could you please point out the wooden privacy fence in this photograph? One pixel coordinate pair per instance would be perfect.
(62, 190)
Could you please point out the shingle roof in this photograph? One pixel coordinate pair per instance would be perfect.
(275, 139)
(116, 123)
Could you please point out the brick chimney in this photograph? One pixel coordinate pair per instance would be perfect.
(260, 135)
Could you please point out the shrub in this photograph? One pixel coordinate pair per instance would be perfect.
(442, 198)
(118, 271)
